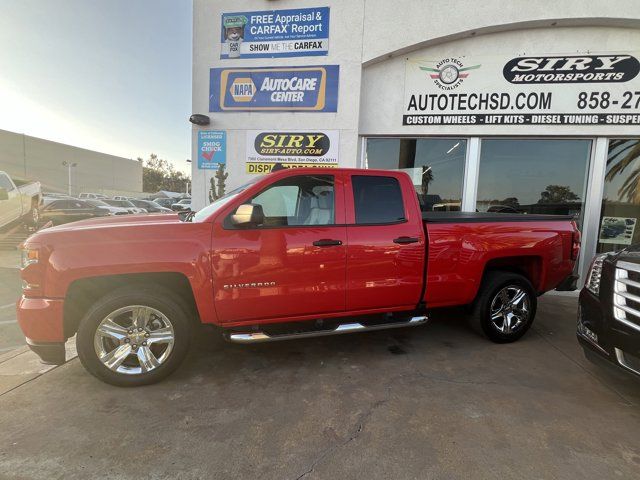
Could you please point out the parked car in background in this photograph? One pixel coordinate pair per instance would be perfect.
(182, 205)
(164, 202)
(47, 198)
(126, 204)
(19, 201)
(151, 207)
(71, 210)
(113, 210)
(98, 196)
(121, 197)
(609, 310)
(296, 253)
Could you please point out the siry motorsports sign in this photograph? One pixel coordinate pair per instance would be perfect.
(593, 89)
(267, 150)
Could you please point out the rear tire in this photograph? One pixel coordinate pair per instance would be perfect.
(135, 335)
(505, 307)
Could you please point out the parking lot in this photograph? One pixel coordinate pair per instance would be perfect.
(430, 402)
(10, 334)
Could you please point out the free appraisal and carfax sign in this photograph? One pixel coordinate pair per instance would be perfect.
(291, 149)
(275, 33)
(545, 89)
(312, 88)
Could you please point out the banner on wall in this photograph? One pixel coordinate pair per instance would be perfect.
(310, 89)
(267, 150)
(618, 230)
(275, 33)
(212, 149)
(590, 89)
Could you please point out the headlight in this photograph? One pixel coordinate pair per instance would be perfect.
(595, 273)
(29, 257)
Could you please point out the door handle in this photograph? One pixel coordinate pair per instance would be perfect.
(405, 240)
(326, 242)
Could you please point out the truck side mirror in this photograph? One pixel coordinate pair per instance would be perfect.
(4, 195)
(248, 215)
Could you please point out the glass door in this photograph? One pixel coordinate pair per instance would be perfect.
(436, 166)
(546, 176)
(620, 212)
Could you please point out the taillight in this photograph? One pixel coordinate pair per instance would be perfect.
(575, 242)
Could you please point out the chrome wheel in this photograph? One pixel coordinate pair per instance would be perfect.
(134, 340)
(510, 309)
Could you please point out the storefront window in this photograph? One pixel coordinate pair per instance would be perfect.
(621, 199)
(533, 176)
(436, 166)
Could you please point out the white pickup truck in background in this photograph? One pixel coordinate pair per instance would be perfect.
(19, 201)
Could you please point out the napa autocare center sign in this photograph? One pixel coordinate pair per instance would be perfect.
(544, 89)
(212, 149)
(287, 89)
(275, 33)
(269, 150)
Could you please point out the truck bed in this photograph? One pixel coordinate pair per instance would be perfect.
(488, 217)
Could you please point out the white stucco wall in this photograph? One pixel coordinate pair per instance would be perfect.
(345, 49)
(370, 40)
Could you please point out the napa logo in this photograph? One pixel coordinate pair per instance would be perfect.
(242, 90)
(312, 88)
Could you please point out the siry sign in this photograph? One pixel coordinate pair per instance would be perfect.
(602, 89)
(585, 69)
(267, 150)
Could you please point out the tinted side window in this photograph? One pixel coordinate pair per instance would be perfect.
(377, 199)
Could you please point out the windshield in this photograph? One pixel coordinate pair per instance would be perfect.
(207, 211)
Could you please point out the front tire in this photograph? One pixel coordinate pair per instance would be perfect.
(134, 336)
(505, 307)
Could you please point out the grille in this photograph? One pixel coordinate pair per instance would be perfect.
(626, 294)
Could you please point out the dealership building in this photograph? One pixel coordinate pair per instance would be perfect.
(62, 168)
(527, 107)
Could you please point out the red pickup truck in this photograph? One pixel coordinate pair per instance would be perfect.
(296, 253)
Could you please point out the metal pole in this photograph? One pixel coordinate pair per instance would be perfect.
(69, 183)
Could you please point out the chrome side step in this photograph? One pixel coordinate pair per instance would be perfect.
(260, 337)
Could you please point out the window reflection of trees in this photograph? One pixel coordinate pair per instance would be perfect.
(623, 154)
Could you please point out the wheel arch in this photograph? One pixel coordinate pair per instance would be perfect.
(529, 266)
(83, 293)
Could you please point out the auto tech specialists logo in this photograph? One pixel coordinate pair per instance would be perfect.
(449, 73)
(572, 69)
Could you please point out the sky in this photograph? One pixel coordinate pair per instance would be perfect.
(112, 76)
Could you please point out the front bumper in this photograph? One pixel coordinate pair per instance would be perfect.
(603, 337)
(49, 353)
(41, 321)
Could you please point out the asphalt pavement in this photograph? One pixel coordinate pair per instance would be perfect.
(431, 402)
(10, 334)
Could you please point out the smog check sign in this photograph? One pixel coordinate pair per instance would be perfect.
(212, 146)
(311, 89)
